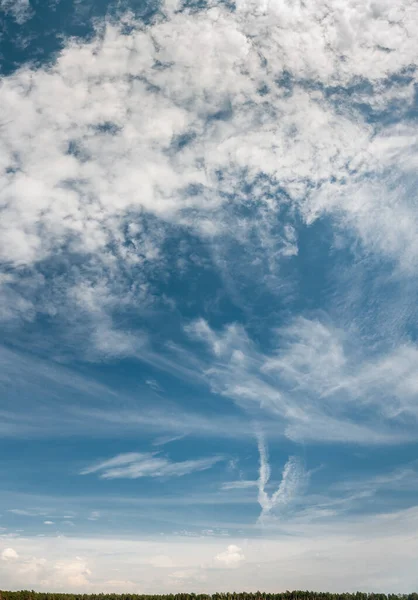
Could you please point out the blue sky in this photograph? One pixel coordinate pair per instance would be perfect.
(209, 252)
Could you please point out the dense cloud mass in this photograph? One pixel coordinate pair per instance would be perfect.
(214, 121)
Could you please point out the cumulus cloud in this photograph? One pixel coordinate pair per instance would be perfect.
(68, 573)
(232, 557)
(133, 465)
(9, 554)
(162, 561)
(381, 549)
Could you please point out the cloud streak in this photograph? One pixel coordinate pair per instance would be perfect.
(134, 465)
(239, 485)
(293, 479)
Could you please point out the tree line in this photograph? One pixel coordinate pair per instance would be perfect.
(295, 595)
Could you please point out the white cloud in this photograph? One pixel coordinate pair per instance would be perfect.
(48, 522)
(90, 150)
(239, 484)
(67, 523)
(74, 574)
(232, 556)
(381, 550)
(9, 554)
(403, 478)
(19, 9)
(26, 513)
(333, 42)
(183, 423)
(94, 515)
(133, 465)
(162, 561)
(103, 151)
(154, 385)
(293, 479)
(167, 439)
(23, 376)
(317, 381)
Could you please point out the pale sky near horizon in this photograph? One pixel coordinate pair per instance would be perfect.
(208, 292)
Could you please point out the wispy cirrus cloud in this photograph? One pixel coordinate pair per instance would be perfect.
(239, 484)
(292, 483)
(319, 381)
(26, 512)
(133, 465)
(403, 478)
(70, 401)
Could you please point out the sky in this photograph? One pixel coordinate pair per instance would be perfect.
(208, 284)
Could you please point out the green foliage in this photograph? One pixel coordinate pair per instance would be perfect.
(295, 595)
